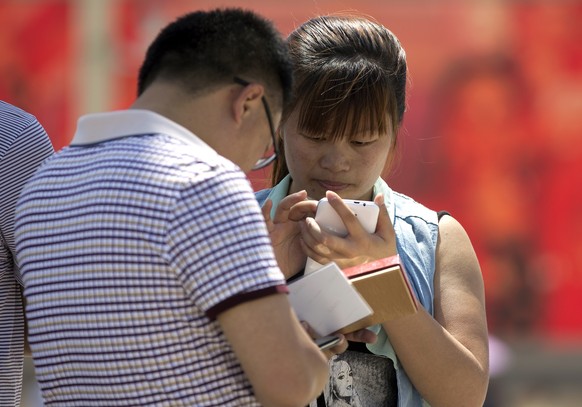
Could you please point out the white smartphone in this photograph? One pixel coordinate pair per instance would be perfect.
(327, 342)
(329, 220)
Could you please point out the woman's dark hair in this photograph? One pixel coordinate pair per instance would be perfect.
(349, 78)
(203, 49)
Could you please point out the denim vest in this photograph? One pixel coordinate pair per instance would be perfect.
(416, 230)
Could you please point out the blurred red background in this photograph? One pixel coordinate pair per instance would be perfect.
(492, 133)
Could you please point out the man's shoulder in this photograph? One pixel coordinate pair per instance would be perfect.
(13, 120)
(14, 113)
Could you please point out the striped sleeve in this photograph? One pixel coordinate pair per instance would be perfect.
(23, 147)
(219, 244)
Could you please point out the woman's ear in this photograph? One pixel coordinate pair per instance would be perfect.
(247, 99)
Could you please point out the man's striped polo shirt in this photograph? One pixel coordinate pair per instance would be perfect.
(23, 147)
(130, 242)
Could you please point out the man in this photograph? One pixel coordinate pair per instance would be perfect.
(148, 270)
(24, 144)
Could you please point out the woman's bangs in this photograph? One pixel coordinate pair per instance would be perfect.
(344, 108)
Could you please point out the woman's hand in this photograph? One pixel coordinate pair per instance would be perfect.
(285, 232)
(358, 246)
(362, 335)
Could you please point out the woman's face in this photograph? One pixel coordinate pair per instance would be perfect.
(343, 379)
(348, 167)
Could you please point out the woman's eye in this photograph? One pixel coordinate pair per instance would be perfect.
(359, 143)
(315, 139)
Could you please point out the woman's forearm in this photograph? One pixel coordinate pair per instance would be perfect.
(443, 369)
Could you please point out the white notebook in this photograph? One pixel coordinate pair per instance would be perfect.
(326, 300)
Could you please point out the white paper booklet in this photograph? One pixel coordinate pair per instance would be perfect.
(326, 300)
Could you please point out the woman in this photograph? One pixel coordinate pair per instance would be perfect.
(336, 138)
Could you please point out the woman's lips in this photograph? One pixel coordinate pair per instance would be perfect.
(332, 186)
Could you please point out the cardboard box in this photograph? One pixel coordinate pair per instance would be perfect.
(332, 300)
(327, 300)
(384, 286)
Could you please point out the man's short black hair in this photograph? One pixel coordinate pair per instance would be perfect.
(207, 48)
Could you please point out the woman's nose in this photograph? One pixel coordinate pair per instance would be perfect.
(335, 158)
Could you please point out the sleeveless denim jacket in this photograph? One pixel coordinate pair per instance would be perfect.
(416, 230)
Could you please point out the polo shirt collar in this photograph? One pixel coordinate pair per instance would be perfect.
(99, 127)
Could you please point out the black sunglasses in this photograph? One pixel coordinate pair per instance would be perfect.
(263, 161)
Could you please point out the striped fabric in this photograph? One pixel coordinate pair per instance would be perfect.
(23, 146)
(128, 247)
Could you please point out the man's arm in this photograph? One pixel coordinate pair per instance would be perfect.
(229, 270)
(282, 362)
(25, 146)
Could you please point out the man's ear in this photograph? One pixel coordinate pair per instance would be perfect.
(247, 99)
